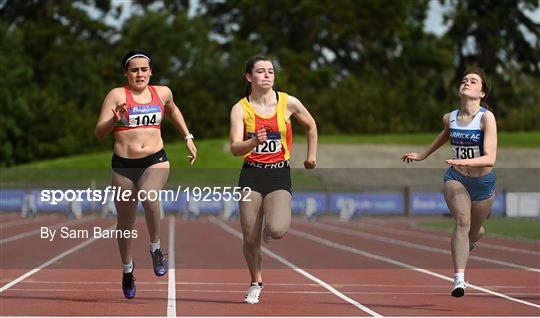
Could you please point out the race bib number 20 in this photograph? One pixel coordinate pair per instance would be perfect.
(271, 145)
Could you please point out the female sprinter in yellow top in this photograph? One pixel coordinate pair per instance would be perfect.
(261, 132)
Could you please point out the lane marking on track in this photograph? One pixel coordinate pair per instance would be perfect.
(49, 262)
(388, 240)
(171, 291)
(6, 224)
(37, 231)
(420, 234)
(234, 232)
(405, 286)
(430, 286)
(400, 264)
(240, 291)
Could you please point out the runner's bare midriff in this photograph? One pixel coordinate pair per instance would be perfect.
(473, 172)
(137, 143)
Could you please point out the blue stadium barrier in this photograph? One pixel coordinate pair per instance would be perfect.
(383, 203)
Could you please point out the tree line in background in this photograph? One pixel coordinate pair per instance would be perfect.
(359, 66)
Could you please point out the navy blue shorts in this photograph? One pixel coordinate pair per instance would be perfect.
(479, 188)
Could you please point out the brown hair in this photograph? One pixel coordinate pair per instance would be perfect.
(249, 67)
(135, 53)
(485, 86)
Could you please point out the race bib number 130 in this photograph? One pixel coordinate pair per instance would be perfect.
(466, 152)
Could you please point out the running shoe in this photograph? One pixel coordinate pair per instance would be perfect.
(128, 284)
(159, 262)
(253, 294)
(459, 288)
(472, 245)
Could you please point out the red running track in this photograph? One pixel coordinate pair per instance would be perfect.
(373, 267)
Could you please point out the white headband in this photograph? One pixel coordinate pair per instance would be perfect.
(134, 56)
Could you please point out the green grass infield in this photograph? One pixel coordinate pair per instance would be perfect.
(517, 228)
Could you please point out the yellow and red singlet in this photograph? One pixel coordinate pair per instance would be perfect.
(278, 146)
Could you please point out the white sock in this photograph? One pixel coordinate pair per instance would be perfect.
(154, 246)
(128, 268)
(459, 277)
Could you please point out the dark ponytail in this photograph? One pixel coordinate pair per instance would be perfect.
(248, 89)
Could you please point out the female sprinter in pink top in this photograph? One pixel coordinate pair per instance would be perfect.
(135, 112)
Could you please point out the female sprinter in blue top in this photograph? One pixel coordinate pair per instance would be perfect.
(469, 182)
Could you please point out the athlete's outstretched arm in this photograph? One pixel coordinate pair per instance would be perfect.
(112, 110)
(178, 120)
(490, 145)
(239, 146)
(440, 140)
(299, 111)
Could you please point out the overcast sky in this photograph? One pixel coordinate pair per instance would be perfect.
(434, 21)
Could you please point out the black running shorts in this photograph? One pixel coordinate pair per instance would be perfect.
(265, 178)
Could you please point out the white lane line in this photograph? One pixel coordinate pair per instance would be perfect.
(302, 272)
(49, 262)
(171, 295)
(419, 234)
(5, 225)
(417, 246)
(430, 286)
(37, 231)
(400, 264)
(240, 291)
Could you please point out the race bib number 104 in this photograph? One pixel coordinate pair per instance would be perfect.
(147, 115)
